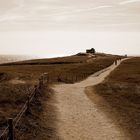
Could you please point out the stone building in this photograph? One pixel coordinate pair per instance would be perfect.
(92, 50)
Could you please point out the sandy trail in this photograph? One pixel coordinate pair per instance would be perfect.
(78, 116)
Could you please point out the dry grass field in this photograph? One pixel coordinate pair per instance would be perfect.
(16, 78)
(71, 69)
(121, 91)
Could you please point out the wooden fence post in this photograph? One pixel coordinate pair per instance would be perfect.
(10, 128)
(46, 77)
(35, 91)
(28, 106)
(40, 83)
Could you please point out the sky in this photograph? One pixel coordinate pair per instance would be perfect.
(51, 28)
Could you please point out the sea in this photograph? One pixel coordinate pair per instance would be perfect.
(14, 58)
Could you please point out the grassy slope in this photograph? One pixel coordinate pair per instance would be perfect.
(57, 72)
(121, 90)
(13, 96)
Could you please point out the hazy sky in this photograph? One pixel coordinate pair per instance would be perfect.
(44, 27)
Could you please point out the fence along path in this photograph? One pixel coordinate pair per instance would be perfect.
(12, 123)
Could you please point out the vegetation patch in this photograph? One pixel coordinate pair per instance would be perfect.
(121, 90)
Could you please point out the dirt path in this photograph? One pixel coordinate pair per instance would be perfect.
(78, 117)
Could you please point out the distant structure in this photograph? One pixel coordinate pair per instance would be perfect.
(92, 50)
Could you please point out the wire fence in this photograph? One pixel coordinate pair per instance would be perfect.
(32, 93)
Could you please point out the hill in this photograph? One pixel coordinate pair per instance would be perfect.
(17, 77)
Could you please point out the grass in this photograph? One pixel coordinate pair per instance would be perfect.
(66, 69)
(41, 123)
(121, 90)
(57, 72)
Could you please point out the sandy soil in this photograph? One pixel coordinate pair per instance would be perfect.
(78, 117)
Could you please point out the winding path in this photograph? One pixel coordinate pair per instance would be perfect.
(78, 116)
